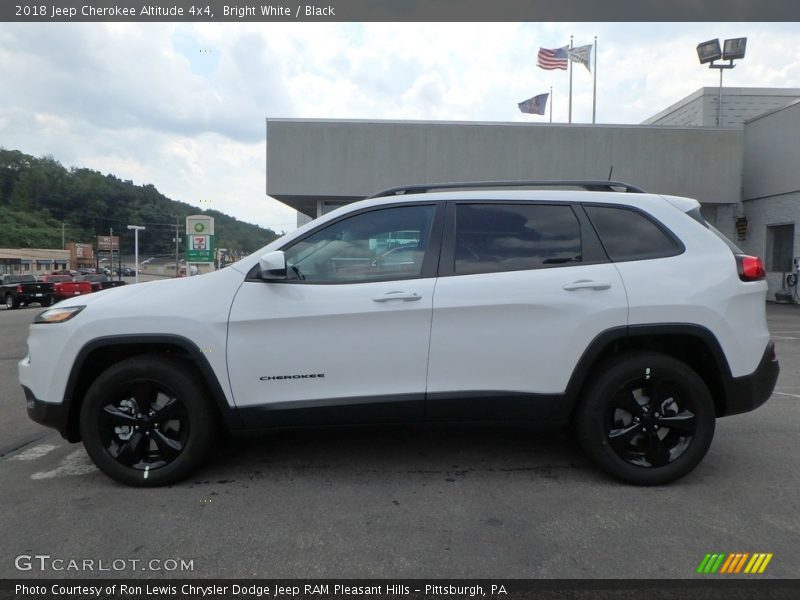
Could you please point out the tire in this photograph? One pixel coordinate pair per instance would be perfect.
(146, 422)
(625, 412)
(11, 302)
(47, 302)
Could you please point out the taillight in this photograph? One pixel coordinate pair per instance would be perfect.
(19, 289)
(750, 268)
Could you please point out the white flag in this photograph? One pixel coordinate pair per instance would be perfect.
(581, 54)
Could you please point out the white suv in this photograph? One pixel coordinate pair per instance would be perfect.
(621, 313)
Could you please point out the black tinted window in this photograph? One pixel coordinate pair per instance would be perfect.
(629, 235)
(512, 237)
(381, 244)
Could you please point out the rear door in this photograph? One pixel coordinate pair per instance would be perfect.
(524, 288)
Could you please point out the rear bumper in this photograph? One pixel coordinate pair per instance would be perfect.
(28, 298)
(751, 391)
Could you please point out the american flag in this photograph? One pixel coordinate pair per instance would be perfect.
(552, 59)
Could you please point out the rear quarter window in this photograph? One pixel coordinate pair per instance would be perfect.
(628, 234)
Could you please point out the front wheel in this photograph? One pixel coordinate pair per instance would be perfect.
(647, 419)
(147, 422)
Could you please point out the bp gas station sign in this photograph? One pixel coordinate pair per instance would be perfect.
(200, 239)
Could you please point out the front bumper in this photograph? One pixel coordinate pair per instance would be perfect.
(48, 414)
(751, 391)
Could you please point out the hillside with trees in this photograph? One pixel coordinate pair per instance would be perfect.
(38, 195)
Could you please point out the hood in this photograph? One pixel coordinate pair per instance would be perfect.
(160, 297)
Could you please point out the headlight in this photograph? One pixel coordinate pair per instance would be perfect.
(58, 315)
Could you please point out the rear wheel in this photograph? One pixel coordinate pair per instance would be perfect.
(647, 419)
(146, 422)
(47, 302)
(11, 302)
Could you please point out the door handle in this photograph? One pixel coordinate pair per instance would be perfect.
(586, 284)
(404, 296)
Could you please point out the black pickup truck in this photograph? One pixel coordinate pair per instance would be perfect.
(19, 290)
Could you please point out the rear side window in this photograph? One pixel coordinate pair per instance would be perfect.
(513, 237)
(629, 235)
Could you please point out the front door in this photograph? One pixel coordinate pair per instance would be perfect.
(345, 338)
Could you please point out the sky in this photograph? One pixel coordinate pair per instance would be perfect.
(183, 106)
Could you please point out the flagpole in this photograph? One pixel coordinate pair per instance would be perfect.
(594, 90)
(551, 103)
(570, 82)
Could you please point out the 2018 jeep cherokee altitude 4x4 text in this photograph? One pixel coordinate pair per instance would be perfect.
(623, 314)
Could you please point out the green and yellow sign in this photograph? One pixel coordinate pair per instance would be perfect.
(200, 245)
(734, 563)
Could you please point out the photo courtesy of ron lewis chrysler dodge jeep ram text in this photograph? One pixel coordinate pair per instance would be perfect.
(620, 313)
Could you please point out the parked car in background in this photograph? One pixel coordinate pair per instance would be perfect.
(192, 271)
(21, 290)
(99, 282)
(64, 286)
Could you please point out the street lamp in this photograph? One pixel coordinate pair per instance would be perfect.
(710, 51)
(136, 229)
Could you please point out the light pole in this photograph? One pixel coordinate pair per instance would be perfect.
(136, 229)
(709, 51)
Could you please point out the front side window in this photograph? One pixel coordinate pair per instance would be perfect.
(382, 244)
(513, 237)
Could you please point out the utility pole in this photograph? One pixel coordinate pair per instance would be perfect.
(177, 242)
(63, 245)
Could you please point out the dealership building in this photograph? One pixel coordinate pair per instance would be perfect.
(745, 172)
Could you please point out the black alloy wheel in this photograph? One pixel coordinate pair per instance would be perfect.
(147, 421)
(646, 418)
(145, 426)
(649, 422)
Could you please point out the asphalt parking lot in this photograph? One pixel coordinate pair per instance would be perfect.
(396, 502)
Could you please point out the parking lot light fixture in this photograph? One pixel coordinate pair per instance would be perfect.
(136, 229)
(710, 52)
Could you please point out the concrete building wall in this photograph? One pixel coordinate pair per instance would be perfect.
(771, 182)
(32, 260)
(739, 105)
(766, 212)
(345, 160)
(772, 154)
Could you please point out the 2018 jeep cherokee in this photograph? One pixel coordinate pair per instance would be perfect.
(621, 313)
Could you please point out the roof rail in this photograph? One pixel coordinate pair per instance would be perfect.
(588, 185)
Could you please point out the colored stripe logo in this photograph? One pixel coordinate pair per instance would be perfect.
(735, 563)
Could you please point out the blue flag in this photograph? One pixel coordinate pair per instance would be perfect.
(535, 105)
